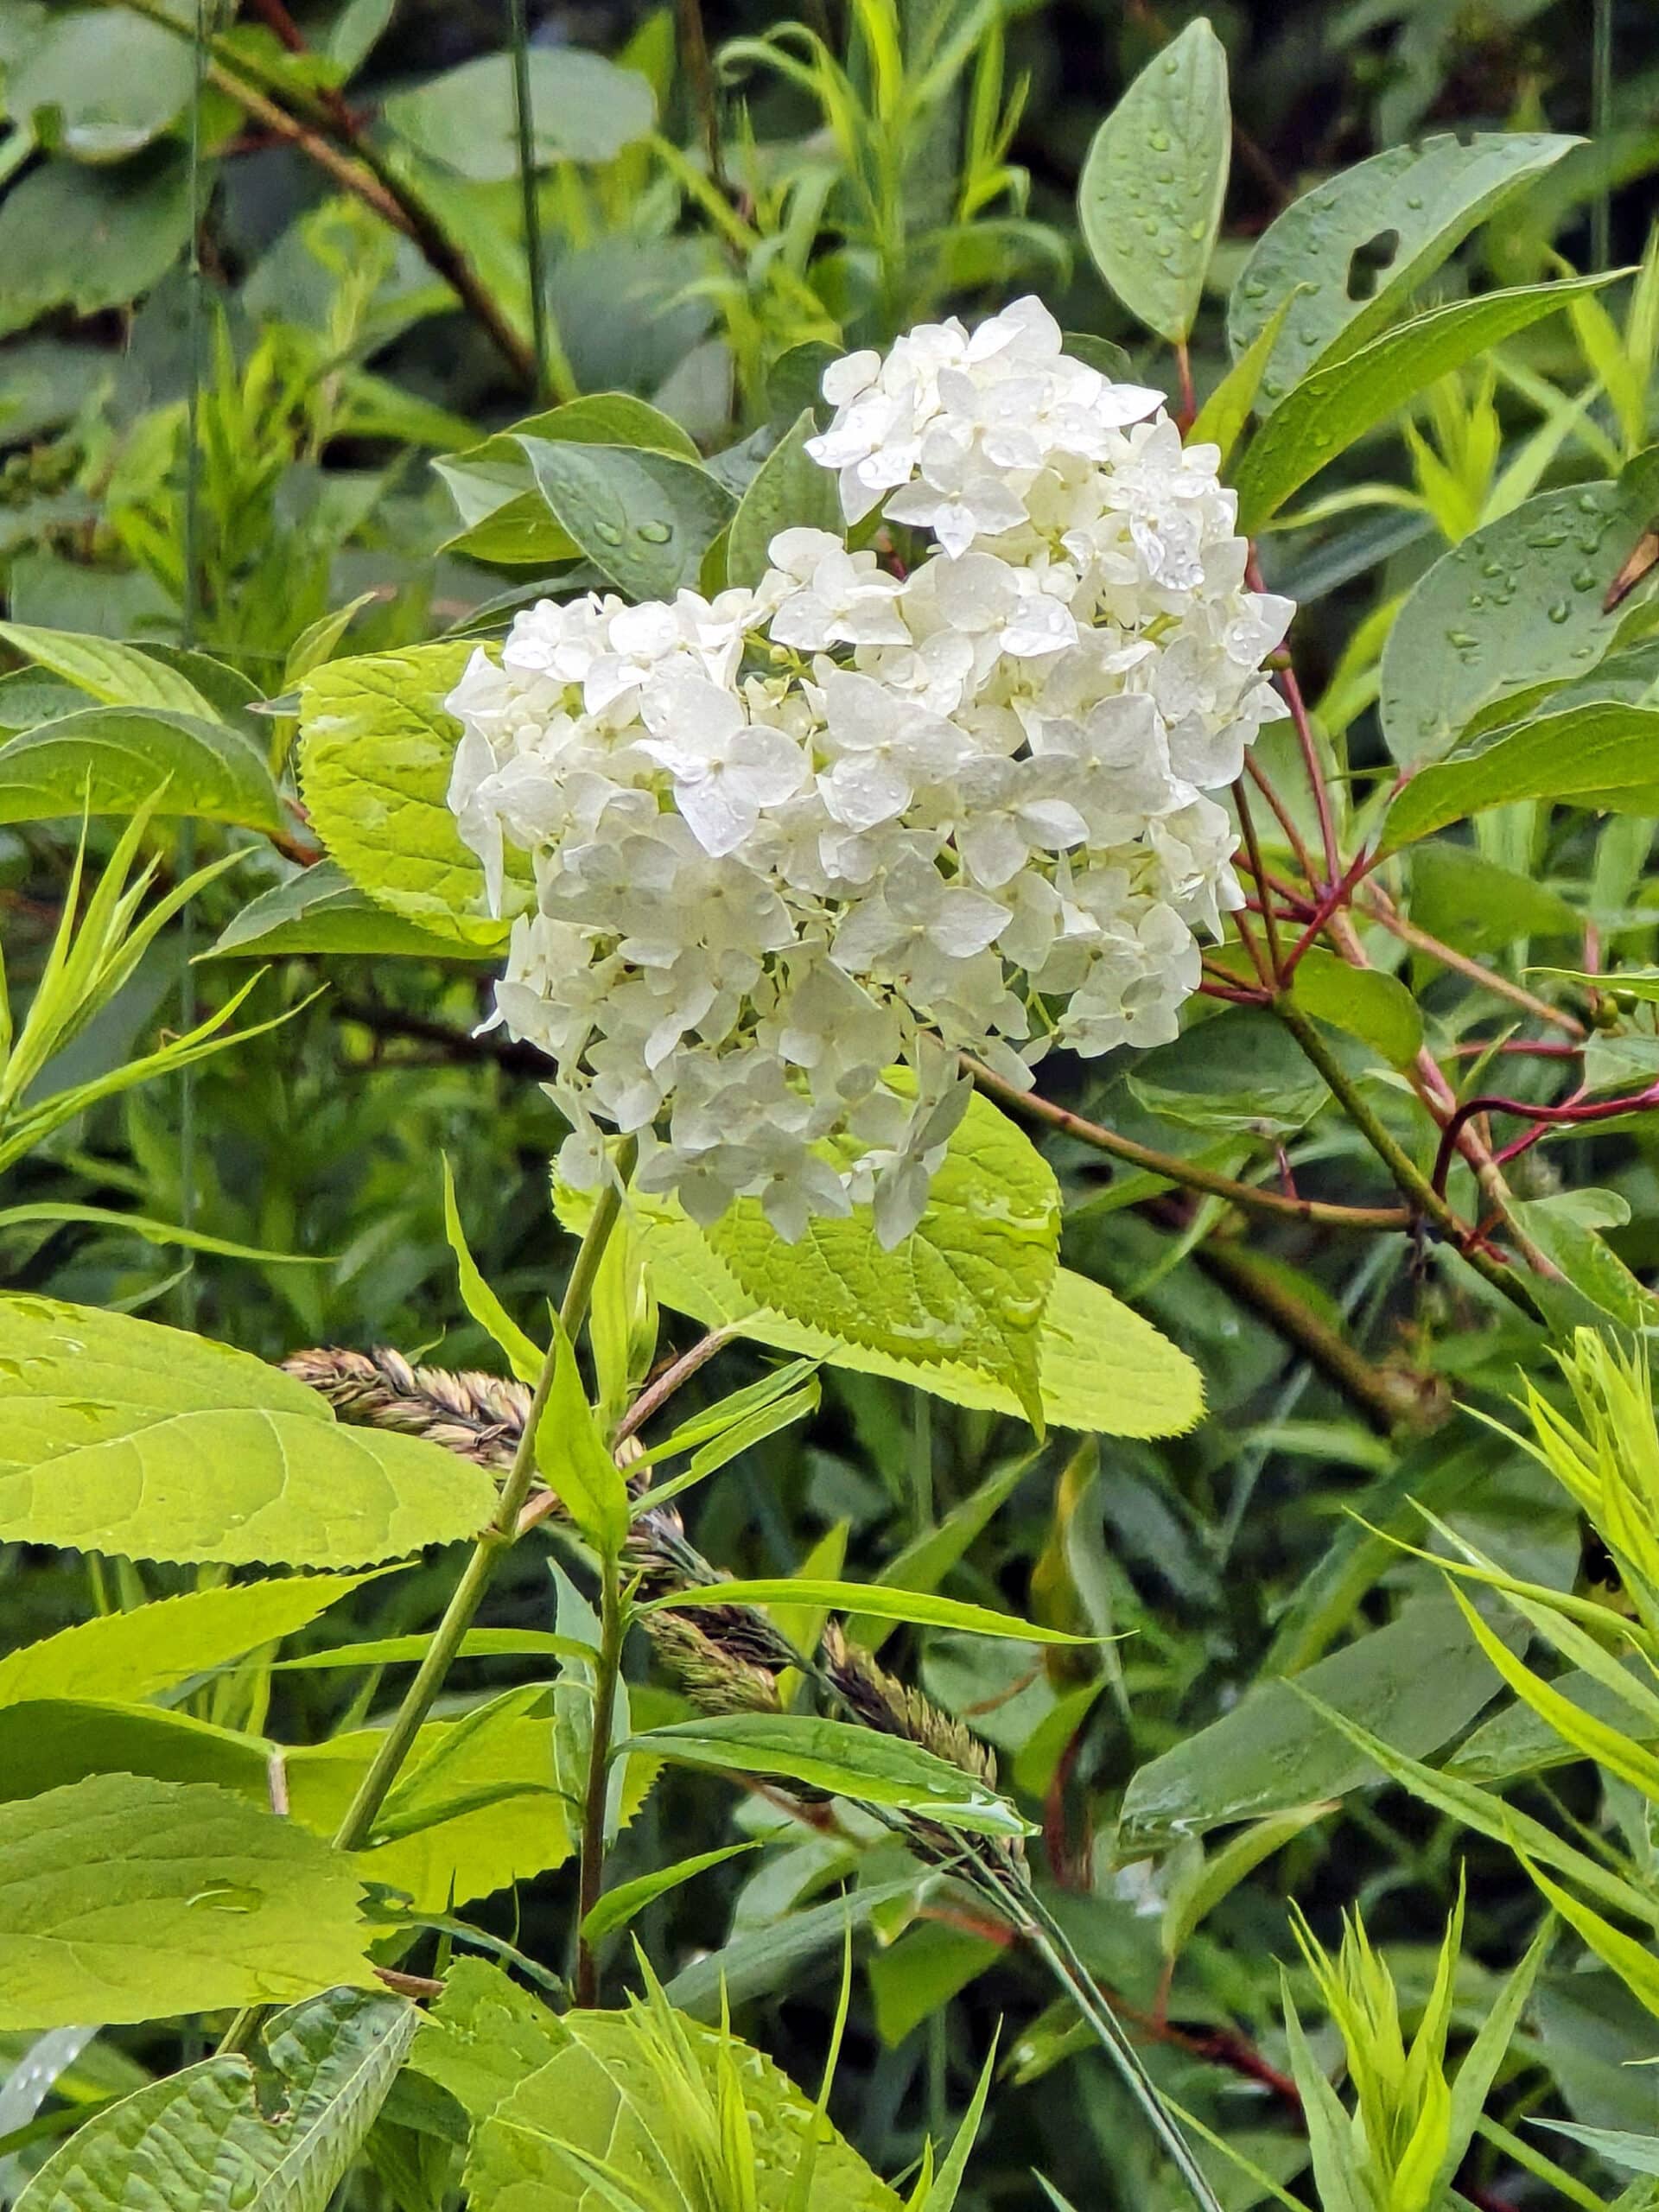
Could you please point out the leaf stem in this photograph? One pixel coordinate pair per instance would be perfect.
(607, 1671)
(399, 1741)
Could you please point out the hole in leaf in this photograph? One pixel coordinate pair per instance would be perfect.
(1367, 263)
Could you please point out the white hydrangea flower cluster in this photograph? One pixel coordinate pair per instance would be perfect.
(789, 839)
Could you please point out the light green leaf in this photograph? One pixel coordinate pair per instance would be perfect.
(768, 1958)
(483, 2036)
(927, 1558)
(153, 1232)
(1220, 421)
(1602, 755)
(86, 238)
(525, 1356)
(969, 1284)
(116, 760)
(115, 675)
(1335, 406)
(1412, 205)
(628, 1899)
(838, 1756)
(644, 519)
(505, 517)
(322, 910)
(620, 2104)
(572, 1459)
(1637, 2154)
(1417, 1681)
(947, 2182)
(201, 1902)
(1100, 1367)
(584, 109)
(132, 1655)
(201, 2140)
(377, 752)
(1516, 607)
(121, 1435)
(441, 1781)
(1150, 196)
(1376, 1009)
(789, 490)
(871, 1598)
(48, 1742)
(405, 1650)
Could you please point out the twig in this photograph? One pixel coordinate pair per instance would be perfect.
(1381, 909)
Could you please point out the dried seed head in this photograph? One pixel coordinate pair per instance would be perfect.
(715, 1678)
(479, 1416)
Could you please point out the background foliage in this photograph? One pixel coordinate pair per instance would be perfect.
(232, 1081)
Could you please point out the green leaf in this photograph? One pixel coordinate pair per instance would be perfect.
(201, 1901)
(1150, 196)
(377, 749)
(483, 2036)
(322, 910)
(50, 1742)
(583, 108)
(836, 1755)
(644, 519)
(115, 675)
(1516, 606)
(407, 1650)
(87, 238)
(1376, 1009)
(1417, 1682)
(947, 2182)
(525, 1356)
(98, 86)
(1395, 217)
(632, 2101)
(915, 1978)
(1335, 406)
(872, 1599)
(1237, 1073)
(927, 1558)
(121, 1435)
(769, 1957)
(1637, 2154)
(1220, 421)
(440, 1781)
(789, 490)
(153, 1232)
(116, 760)
(201, 2140)
(573, 1460)
(1564, 1227)
(1100, 1367)
(1602, 755)
(132, 1655)
(493, 486)
(620, 1905)
(969, 1284)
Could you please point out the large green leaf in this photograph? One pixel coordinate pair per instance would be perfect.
(1338, 404)
(584, 109)
(1603, 755)
(1415, 1682)
(483, 2036)
(1395, 217)
(96, 86)
(1375, 1007)
(1516, 605)
(126, 1898)
(50, 1741)
(878, 1600)
(614, 2103)
(87, 238)
(322, 910)
(1100, 1366)
(114, 674)
(969, 1284)
(838, 1756)
(116, 760)
(644, 519)
(504, 517)
(123, 1436)
(377, 752)
(132, 1655)
(202, 2141)
(1150, 196)
(789, 490)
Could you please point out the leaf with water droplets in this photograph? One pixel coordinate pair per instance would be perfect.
(969, 1284)
(1150, 196)
(125, 1898)
(1469, 635)
(1357, 247)
(124, 1435)
(644, 519)
(1604, 755)
(1333, 408)
(789, 490)
(207, 2140)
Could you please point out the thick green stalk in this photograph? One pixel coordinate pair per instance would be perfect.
(607, 1672)
(399, 1741)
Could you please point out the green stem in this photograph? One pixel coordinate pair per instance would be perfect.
(399, 1741)
(1414, 1185)
(612, 1628)
(525, 121)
